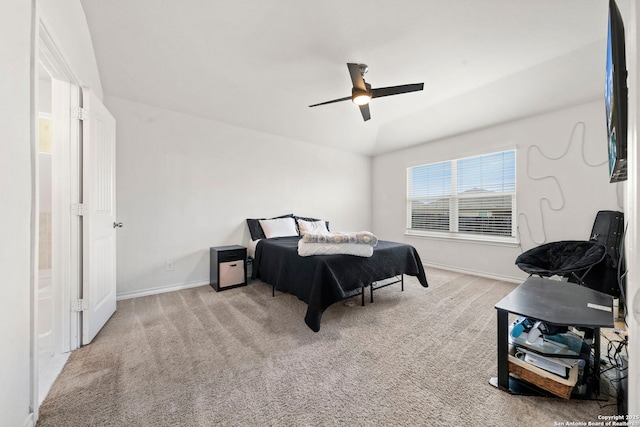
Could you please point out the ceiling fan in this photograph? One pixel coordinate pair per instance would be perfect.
(362, 92)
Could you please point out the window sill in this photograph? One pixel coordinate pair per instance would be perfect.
(466, 238)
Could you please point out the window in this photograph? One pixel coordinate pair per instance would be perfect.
(473, 198)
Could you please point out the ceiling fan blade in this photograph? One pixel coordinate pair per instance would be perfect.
(396, 90)
(364, 109)
(332, 101)
(356, 76)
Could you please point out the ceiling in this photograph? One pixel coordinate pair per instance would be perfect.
(259, 64)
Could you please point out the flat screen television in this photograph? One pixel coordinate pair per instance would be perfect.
(616, 94)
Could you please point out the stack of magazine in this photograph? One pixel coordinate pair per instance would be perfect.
(555, 354)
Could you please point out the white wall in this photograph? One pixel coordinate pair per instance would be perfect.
(15, 193)
(561, 182)
(185, 184)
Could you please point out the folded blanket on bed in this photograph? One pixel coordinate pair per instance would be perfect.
(357, 249)
(359, 237)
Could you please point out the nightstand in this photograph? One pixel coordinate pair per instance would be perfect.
(228, 268)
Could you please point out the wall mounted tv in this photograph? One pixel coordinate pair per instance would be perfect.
(616, 94)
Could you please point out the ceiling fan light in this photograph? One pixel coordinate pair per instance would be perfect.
(360, 97)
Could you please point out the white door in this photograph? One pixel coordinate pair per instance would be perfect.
(99, 216)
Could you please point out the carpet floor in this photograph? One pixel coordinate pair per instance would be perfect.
(243, 358)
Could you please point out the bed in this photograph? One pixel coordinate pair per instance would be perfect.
(321, 281)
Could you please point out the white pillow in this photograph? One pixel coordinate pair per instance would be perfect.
(312, 227)
(251, 248)
(279, 227)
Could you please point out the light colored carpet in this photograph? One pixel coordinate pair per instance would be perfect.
(240, 357)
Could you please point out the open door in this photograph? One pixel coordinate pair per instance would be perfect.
(98, 215)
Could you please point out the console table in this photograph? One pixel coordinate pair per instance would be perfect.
(554, 302)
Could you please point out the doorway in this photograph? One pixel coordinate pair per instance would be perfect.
(57, 179)
(74, 286)
(49, 362)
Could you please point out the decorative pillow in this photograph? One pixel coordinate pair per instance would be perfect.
(303, 218)
(254, 226)
(278, 227)
(312, 227)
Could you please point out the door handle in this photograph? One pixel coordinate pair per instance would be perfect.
(117, 225)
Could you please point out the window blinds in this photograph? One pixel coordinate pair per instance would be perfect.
(473, 195)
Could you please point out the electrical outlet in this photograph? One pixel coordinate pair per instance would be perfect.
(169, 265)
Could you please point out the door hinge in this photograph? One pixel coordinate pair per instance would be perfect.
(79, 305)
(79, 113)
(78, 209)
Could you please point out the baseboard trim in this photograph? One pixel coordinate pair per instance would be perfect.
(159, 290)
(509, 279)
(181, 286)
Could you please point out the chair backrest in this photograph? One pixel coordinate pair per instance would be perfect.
(608, 229)
(607, 277)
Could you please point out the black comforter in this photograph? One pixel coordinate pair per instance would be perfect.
(322, 280)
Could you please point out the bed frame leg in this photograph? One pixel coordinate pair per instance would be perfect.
(273, 291)
(401, 280)
(362, 295)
